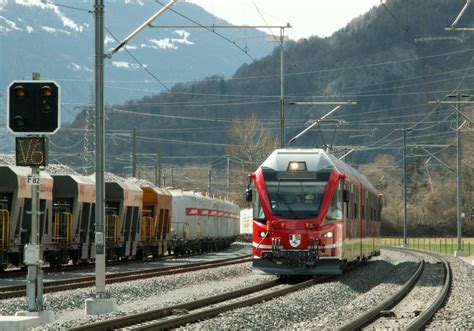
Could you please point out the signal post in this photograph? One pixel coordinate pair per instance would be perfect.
(32, 114)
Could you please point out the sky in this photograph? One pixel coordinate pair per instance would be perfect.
(307, 17)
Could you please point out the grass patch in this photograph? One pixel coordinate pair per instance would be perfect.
(440, 245)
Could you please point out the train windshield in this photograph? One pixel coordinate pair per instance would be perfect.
(296, 196)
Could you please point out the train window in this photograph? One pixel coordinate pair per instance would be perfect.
(296, 198)
(335, 210)
(258, 213)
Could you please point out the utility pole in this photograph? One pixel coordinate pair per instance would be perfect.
(459, 250)
(459, 214)
(134, 152)
(281, 41)
(228, 178)
(157, 170)
(282, 92)
(101, 303)
(209, 179)
(88, 147)
(172, 176)
(164, 178)
(405, 210)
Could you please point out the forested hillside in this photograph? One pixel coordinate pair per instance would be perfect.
(392, 61)
(374, 61)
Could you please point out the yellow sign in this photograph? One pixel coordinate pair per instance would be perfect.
(31, 151)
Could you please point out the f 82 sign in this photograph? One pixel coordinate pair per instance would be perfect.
(31, 151)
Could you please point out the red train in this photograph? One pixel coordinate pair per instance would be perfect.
(312, 214)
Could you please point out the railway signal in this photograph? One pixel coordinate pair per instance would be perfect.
(33, 107)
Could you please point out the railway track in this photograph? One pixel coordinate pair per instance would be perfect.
(20, 272)
(165, 318)
(179, 315)
(14, 291)
(384, 315)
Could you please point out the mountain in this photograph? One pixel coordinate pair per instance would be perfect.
(58, 42)
(392, 61)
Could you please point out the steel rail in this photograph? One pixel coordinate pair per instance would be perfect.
(79, 267)
(13, 291)
(195, 316)
(421, 320)
(372, 314)
(125, 321)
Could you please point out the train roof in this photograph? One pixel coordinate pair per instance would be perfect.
(155, 189)
(316, 159)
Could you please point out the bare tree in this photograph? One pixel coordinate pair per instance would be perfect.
(252, 143)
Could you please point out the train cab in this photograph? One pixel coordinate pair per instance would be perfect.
(301, 202)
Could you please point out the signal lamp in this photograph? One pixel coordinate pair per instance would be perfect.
(47, 106)
(47, 91)
(18, 122)
(20, 91)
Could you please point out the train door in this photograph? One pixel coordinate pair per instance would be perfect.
(4, 224)
(135, 226)
(358, 219)
(62, 225)
(112, 226)
(85, 221)
(147, 226)
(127, 224)
(166, 224)
(350, 231)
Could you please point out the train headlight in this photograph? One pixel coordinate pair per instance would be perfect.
(262, 234)
(328, 234)
(297, 166)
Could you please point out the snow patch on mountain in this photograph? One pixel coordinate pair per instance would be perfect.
(76, 67)
(54, 30)
(109, 40)
(66, 21)
(126, 65)
(170, 43)
(7, 25)
(134, 2)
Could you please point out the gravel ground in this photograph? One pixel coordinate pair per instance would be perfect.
(143, 295)
(328, 304)
(458, 311)
(419, 298)
(235, 251)
(324, 304)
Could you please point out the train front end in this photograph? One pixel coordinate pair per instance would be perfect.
(296, 194)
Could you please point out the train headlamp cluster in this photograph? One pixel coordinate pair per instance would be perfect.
(297, 166)
(328, 234)
(262, 234)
